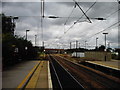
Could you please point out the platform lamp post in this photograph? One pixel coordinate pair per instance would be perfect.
(35, 39)
(85, 44)
(105, 39)
(26, 48)
(70, 45)
(76, 47)
(96, 42)
(26, 33)
(105, 44)
(13, 21)
(79, 45)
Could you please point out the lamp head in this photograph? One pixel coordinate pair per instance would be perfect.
(27, 30)
(105, 33)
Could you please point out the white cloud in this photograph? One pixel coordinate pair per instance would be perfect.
(59, 0)
(29, 18)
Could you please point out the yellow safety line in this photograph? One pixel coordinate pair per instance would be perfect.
(104, 64)
(32, 83)
(26, 78)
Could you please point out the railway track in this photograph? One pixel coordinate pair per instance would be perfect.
(89, 79)
(61, 78)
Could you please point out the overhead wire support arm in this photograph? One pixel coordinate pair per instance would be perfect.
(81, 16)
(43, 9)
(70, 14)
(87, 10)
(42, 17)
(82, 11)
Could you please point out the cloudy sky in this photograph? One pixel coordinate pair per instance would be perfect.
(58, 33)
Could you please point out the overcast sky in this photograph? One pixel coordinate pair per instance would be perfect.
(55, 33)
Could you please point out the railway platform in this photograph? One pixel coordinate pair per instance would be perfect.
(13, 76)
(30, 74)
(114, 64)
(40, 78)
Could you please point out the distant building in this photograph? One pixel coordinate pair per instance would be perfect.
(78, 54)
(98, 55)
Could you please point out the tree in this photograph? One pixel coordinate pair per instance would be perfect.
(14, 48)
(7, 24)
(101, 48)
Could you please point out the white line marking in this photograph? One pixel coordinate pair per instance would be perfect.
(56, 75)
(50, 86)
(69, 74)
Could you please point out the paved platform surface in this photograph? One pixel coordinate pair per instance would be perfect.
(12, 77)
(115, 64)
(40, 77)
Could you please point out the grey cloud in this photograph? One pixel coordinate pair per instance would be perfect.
(21, 8)
(29, 18)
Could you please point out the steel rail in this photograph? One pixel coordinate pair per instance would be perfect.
(70, 75)
(106, 85)
(56, 75)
